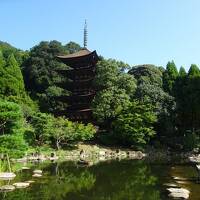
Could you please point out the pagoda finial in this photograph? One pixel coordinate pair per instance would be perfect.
(85, 35)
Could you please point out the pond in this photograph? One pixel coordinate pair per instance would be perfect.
(110, 180)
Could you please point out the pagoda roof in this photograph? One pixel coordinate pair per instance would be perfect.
(81, 53)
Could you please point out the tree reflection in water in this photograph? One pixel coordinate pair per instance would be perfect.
(116, 180)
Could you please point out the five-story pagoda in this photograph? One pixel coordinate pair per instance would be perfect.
(81, 73)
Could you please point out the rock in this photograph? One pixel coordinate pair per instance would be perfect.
(180, 178)
(21, 160)
(7, 188)
(194, 158)
(183, 182)
(21, 185)
(171, 185)
(53, 158)
(7, 175)
(102, 153)
(30, 181)
(178, 193)
(102, 158)
(37, 171)
(36, 175)
(25, 168)
(198, 166)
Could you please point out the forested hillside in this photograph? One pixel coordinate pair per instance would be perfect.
(135, 106)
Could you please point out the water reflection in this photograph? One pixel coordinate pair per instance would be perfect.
(125, 180)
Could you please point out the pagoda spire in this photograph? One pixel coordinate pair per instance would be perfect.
(85, 39)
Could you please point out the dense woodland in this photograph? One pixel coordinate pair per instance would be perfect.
(135, 106)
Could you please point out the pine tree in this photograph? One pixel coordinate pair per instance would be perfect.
(182, 72)
(169, 77)
(11, 79)
(193, 71)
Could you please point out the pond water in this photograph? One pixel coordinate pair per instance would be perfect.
(110, 180)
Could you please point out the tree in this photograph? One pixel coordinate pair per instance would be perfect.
(50, 130)
(73, 47)
(188, 98)
(169, 77)
(41, 126)
(11, 129)
(193, 71)
(134, 126)
(182, 72)
(108, 104)
(115, 89)
(149, 74)
(150, 91)
(8, 49)
(12, 84)
(11, 117)
(11, 80)
(41, 75)
(61, 130)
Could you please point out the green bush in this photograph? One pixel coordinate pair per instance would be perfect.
(13, 145)
(48, 129)
(134, 126)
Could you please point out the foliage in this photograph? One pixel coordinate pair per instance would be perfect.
(188, 98)
(11, 79)
(150, 91)
(72, 47)
(134, 126)
(109, 103)
(11, 118)
(41, 75)
(149, 74)
(8, 49)
(58, 131)
(115, 89)
(40, 132)
(11, 129)
(182, 72)
(12, 84)
(13, 145)
(169, 77)
(193, 71)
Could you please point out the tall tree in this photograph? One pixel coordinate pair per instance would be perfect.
(150, 91)
(135, 124)
(188, 98)
(41, 75)
(193, 71)
(11, 129)
(115, 88)
(182, 72)
(169, 77)
(11, 80)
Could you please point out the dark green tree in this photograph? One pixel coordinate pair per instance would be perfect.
(182, 72)
(72, 47)
(115, 90)
(193, 71)
(11, 80)
(134, 126)
(188, 98)
(41, 75)
(11, 129)
(8, 49)
(150, 91)
(169, 77)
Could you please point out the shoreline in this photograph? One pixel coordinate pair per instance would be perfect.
(95, 153)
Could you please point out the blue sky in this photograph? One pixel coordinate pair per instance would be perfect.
(134, 31)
